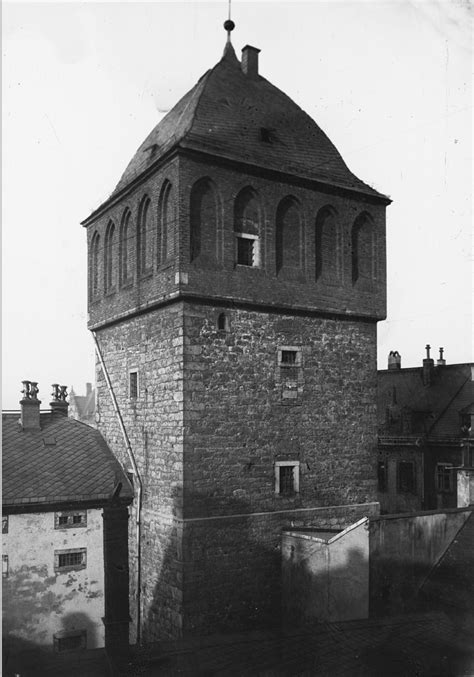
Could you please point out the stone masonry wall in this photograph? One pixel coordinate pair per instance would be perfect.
(152, 344)
(238, 422)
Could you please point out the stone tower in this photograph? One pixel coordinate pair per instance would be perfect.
(236, 276)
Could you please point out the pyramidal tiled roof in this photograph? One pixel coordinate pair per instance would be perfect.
(224, 114)
(63, 461)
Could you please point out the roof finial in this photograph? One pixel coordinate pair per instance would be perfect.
(229, 25)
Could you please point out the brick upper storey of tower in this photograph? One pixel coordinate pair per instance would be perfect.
(232, 115)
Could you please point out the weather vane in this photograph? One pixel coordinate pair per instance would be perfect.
(229, 25)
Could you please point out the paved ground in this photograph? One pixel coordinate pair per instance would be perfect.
(423, 645)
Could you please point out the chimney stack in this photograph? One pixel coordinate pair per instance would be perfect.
(428, 366)
(59, 405)
(250, 61)
(30, 406)
(441, 362)
(394, 360)
(88, 388)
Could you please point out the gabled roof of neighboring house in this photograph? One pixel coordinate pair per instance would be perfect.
(231, 115)
(64, 461)
(82, 406)
(440, 404)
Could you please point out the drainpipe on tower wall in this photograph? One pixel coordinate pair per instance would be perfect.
(139, 482)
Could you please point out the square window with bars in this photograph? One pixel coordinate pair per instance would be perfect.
(68, 519)
(65, 560)
(286, 478)
(289, 363)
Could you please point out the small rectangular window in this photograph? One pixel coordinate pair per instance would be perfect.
(444, 478)
(70, 641)
(286, 478)
(4, 566)
(382, 476)
(133, 384)
(70, 518)
(406, 477)
(4, 524)
(244, 251)
(65, 560)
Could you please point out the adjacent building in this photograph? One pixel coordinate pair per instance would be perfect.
(64, 532)
(82, 407)
(426, 438)
(236, 277)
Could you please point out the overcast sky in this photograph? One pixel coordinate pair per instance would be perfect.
(84, 83)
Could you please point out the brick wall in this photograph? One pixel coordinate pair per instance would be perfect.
(318, 279)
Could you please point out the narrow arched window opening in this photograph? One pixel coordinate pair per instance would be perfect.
(144, 239)
(94, 263)
(289, 255)
(222, 322)
(203, 226)
(247, 229)
(124, 252)
(363, 249)
(166, 225)
(328, 246)
(109, 267)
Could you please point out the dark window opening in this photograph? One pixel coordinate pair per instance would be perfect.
(406, 477)
(288, 357)
(466, 423)
(245, 253)
(63, 519)
(222, 322)
(444, 478)
(133, 384)
(268, 135)
(4, 524)
(287, 480)
(4, 566)
(77, 519)
(382, 476)
(66, 520)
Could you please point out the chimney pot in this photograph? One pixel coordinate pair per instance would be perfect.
(428, 366)
(250, 61)
(394, 360)
(30, 406)
(88, 388)
(59, 404)
(441, 362)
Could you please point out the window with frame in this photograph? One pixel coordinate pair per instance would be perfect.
(133, 384)
(4, 524)
(444, 478)
(247, 228)
(406, 477)
(289, 362)
(68, 560)
(68, 519)
(70, 641)
(247, 250)
(4, 566)
(287, 480)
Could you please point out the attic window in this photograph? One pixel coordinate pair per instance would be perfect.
(67, 560)
(267, 135)
(70, 519)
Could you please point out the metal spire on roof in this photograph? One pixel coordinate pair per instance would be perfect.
(229, 25)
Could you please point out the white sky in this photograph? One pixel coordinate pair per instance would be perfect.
(84, 83)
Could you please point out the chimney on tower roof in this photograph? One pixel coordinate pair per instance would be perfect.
(441, 362)
(250, 61)
(428, 367)
(394, 360)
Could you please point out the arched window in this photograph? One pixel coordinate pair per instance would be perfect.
(247, 228)
(109, 258)
(203, 212)
(328, 246)
(125, 242)
(289, 254)
(166, 225)
(144, 238)
(94, 265)
(363, 249)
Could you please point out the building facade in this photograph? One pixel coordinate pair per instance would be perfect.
(64, 534)
(425, 433)
(236, 276)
